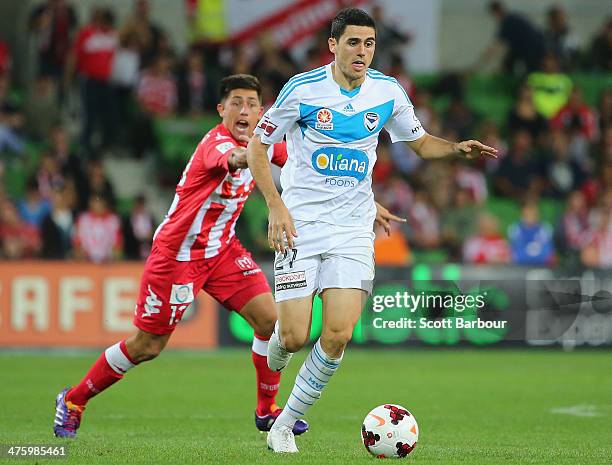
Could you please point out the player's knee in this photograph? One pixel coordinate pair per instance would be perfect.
(143, 346)
(264, 327)
(292, 340)
(335, 340)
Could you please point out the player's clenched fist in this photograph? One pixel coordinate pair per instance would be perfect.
(280, 227)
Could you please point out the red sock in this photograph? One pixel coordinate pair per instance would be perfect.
(101, 375)
(268, 381)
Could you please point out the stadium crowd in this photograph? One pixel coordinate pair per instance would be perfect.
(555, 147)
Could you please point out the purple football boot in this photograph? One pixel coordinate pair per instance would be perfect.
(265, 422)
(67, 416)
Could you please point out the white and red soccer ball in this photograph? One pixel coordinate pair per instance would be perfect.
(389, 431)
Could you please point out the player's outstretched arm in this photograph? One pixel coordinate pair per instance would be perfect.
(280, 223)
(429, 146)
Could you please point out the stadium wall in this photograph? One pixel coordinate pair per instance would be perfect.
(62, 304)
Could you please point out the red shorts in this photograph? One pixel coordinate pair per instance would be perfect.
(168, 287)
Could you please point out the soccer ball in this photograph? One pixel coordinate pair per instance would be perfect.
(389, 431)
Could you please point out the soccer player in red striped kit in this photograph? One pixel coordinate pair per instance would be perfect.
(195, 248)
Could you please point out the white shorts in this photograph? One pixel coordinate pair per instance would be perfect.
(324, 256)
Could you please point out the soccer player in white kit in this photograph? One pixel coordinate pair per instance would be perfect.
(322, 226)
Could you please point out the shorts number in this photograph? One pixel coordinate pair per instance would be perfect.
(286, 258)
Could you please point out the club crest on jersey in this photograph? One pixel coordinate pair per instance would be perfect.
(370, 120)
(245, 263)
(324, 120)
(181, 294)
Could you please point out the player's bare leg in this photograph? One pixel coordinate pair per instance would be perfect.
(291, 332)
(341, 311)
(260, 313)
(110, 367)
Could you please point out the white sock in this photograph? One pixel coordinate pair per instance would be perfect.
(117, 360)
(260, 347)
(312, 378)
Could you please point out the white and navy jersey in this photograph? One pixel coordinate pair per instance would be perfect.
(331, 142)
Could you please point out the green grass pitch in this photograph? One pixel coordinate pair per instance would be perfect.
(486, 406)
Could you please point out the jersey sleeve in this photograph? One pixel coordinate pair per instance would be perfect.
(215, 155)
(278, 154)
(280, 117)
(403, 124)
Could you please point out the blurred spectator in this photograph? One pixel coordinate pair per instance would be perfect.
(11, 119)
(575, 226)
(138, 229)
(92, 57)
(49, 175)
(489, 135)
(18, 239)
(97, 235)
(33, 207)
(576, 112)
(157, 97)
(531, 241)
(96, 183)
(600, 53)
(424, 222)
(148, 36)
(391, 249)
(524, 116)
(563, 174)
(458, 222)
(56, 228)
(605, 109)
(272, 62)
(459, 118)
(124, 78)
(41, 108)
(598, 252)
(487, 245)
(53, 24)
(388, 40)
(157, 92)
(195, 92)
(471, 180)
(559, 39)
(69, 166)
(522, 42)
(6, 61)
(519, 173)
(551, 88)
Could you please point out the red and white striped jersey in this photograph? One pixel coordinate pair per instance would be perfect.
(208, 200)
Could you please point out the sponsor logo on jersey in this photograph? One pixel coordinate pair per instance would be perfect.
(324, 120)
(341, 161)
(348, 108)
(267, 126)
(370, 120)
(416, 129)
(181, 294)
(291, 280)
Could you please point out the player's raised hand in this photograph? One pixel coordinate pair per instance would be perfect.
(471, 149)
(384, 218)
(280, 227)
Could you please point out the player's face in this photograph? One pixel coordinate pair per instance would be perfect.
(241, 111)
(354, 51)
